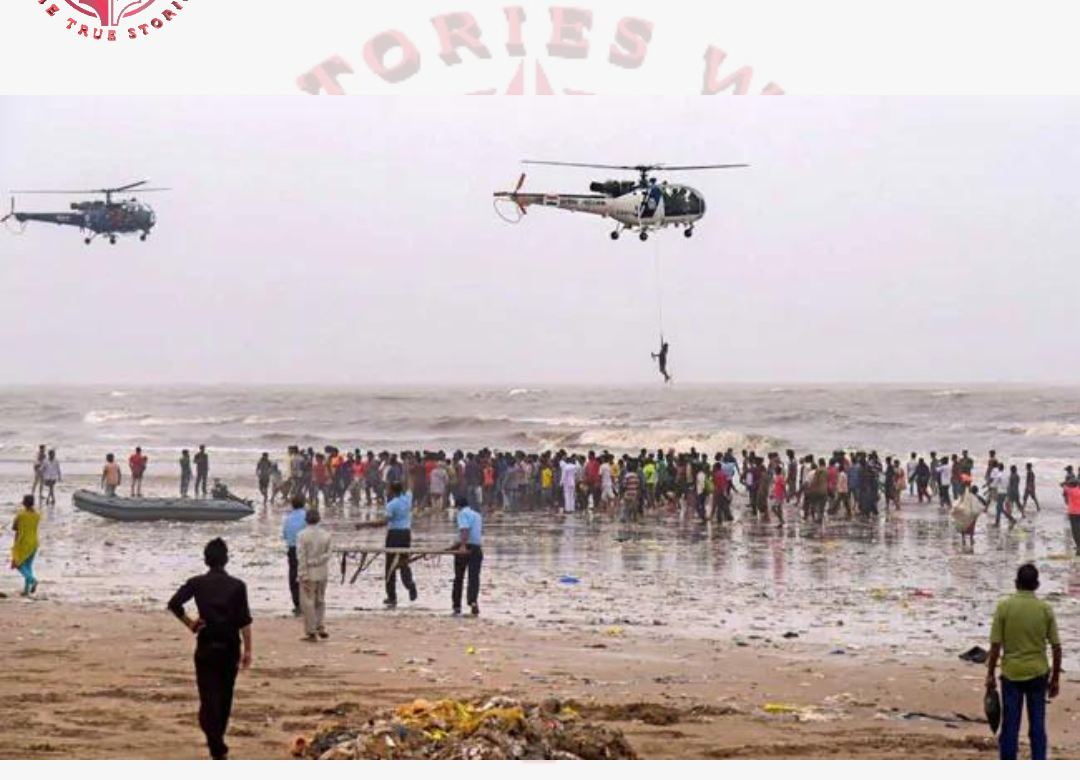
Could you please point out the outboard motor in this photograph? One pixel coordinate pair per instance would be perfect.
(220, 492)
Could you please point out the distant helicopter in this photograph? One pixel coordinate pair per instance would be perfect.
(99, 218)
(644, 205)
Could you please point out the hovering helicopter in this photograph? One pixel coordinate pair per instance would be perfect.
(644, 205)
(105, 218)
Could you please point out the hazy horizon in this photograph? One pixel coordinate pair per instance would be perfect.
(886, 240)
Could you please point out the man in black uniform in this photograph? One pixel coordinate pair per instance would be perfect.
(223, 617)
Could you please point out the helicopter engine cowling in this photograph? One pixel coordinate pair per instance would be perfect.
(611, 187)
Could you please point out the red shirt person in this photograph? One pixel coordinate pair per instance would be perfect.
(137, 463)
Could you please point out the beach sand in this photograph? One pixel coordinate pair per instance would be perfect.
(117, 682)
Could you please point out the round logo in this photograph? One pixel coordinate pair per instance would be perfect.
(109, 13)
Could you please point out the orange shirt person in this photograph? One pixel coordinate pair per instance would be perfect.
(110, 475)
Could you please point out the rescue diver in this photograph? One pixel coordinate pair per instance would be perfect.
(661, 356)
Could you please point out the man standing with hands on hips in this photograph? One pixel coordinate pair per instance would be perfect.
(1023, 627)
(224, 619)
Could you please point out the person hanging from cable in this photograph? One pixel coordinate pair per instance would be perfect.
(661, 357)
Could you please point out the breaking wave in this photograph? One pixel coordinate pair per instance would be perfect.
(98, 417)
(1062, 430)
(949, 393)
(255, 419)
(633, 439)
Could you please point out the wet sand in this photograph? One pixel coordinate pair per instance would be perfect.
(679, 621)
(84, 682)
(901, 582)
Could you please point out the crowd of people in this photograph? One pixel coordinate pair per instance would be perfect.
(855, 484)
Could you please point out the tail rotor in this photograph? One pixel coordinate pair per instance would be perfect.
(512, 197)
(14, 229)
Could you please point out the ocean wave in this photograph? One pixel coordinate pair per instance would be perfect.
(949, 393)
(498, 422)
(255, 419)
(633, 439)
(1062, 430)
(99, 417)
(459, 422)
(575, 422)
(169, 422)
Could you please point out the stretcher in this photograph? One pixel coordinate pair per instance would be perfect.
(402, 556)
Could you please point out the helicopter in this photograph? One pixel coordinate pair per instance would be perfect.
(644, 205)
(100, 218)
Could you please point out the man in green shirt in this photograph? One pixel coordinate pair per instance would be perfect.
(1023, 627)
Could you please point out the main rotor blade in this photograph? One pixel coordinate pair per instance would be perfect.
(148, 189)
(128, 187)
(103, 190)
(639, 168)
(56, 192)
(582, 165)
(695, 167)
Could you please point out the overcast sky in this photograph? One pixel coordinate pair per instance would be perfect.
(354, 241)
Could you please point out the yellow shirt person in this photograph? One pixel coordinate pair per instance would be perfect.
(25, 548)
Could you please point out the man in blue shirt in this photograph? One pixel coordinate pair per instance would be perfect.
(470, 535)
(398, 536)
(295, 522)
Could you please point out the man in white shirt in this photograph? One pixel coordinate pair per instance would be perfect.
(568, 473)
(911, 466)
(50, 475)
(312, 558)
(607, 486)
(999, 488)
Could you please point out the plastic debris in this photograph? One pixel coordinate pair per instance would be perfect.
(567, 579)
(499, 728)
(780, 709)
(803, 714)
(470, 650)
(614, 631)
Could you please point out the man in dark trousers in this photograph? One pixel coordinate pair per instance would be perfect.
(202, 470)
(295, 522)
(398, 514)
(223, 619)
(470, 535)
(1023, 627)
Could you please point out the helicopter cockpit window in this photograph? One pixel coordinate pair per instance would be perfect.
(681, 202)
